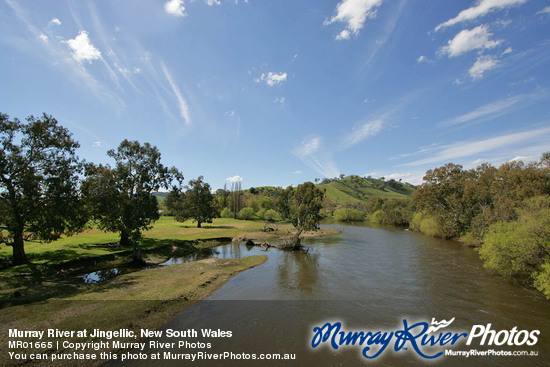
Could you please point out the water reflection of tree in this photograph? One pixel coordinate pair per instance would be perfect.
(298, 271)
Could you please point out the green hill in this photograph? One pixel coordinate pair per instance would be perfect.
(355, 189)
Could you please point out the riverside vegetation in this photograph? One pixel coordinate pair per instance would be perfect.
(501, 211)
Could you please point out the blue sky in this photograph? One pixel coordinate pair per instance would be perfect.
(281, 92)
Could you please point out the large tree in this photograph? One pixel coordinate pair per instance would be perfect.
(196, 203)
(39, 197)
(301, 207)
(121, 198)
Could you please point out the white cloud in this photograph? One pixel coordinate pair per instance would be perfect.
(344, 35)
(184, 109)
(364, 131)
(454, 151)
(468, 40)
(230, 114)
(82, 49)
(234, 179)
(213, 2)
(175, 7)
(272, 79)
(507, 51)
(353, 13)
(297, 172)
(481, 8)
(96, 144)
(311, 152)
(421, 59)
(491, 110)
(483, 63)
(43, 37)
(544, 11)
(280, 100)
(55, 21)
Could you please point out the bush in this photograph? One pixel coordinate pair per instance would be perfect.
(226, 213)
(521, 249)
(377, 217)
(430, 227)
(246, 213)
(348, 215)
(271, 215)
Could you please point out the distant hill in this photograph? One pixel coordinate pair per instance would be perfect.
(160, 196)
(355, 189)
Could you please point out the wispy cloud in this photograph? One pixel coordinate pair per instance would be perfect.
(469, 40)
(55, 21)
(462, 149)
(481, 8)
(483, 63)
(175, 7)
(353, 14)
(363, 131)
(272, 79)
(184, 109)
(544, 11)
(313, 154)
(492, 110)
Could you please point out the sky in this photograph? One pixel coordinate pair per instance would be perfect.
(281, 92)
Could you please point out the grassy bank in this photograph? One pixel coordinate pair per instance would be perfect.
(140, 300)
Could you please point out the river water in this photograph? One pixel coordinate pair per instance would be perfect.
(369, 279)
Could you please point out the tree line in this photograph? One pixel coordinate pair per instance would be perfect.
(46, 191)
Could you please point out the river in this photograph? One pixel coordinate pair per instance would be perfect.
(371, 279)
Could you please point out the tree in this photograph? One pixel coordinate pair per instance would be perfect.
(121, 198)
(39, 197)
(301, 208)
(197, 203)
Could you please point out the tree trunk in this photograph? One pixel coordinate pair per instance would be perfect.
(124, 239)
(19, 256)
(297, 241)
(138, 258)
(199, 224)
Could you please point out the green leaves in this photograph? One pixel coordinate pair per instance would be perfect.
(38, 181)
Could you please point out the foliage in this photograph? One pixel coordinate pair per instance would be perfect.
(396, 212)
(521, 248)
(301, 207)
(266, 203)
(196, 203)
(226, 213)
(269, 215)
(120, 198)
(246, 213)
(348, 215)
(469, 201)
(39, 195)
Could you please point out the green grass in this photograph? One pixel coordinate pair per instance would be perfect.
(165, 231)
(140, 300)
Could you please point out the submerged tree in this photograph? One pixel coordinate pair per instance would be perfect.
(301, 207)
(196, 203)
(39, 197)
(121, 198)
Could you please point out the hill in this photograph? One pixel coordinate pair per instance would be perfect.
(355, 189)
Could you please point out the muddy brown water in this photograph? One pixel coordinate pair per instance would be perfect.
(370, 279)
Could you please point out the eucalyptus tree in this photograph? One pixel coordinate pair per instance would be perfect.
(39, 197)
(121, 199)
(196, 203)
(301, 208)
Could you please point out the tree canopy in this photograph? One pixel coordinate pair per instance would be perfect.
(196, 203)
(301, 208)
(39, 198)
(120, 198)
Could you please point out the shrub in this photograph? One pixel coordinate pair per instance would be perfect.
(348, 215)
(246, 213)
(226, 213)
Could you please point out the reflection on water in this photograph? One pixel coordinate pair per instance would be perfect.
(370, 278)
